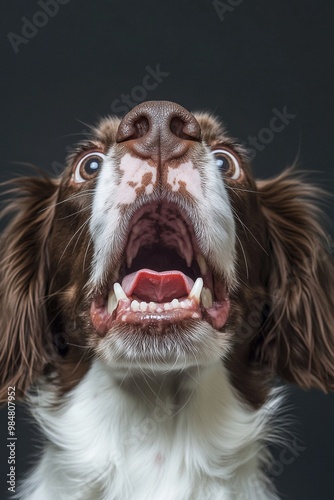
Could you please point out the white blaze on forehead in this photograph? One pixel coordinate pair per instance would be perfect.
(185, 177)
(136, 175)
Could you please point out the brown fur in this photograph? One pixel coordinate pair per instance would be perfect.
(298, 336)
(25, 343)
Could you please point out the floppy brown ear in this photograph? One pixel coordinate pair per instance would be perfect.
(24, 339)
(298, 335)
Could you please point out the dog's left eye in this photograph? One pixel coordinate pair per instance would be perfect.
(88, 167)
(227, 163)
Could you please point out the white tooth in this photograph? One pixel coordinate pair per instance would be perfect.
(206, 298)
(186, 304)
(119, 292)
(112, 302)
(175, 303)
(202, 264)
(159, 310)
(152, 306)
(143, 306)
(135, 306)
(195, 292)
(167, 306)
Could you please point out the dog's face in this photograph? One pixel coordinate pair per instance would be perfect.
(159, 251)
(147, 240)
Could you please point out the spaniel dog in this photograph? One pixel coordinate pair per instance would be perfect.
(150, 296)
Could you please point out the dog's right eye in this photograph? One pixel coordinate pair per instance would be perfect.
(227, 163)
(88, 167)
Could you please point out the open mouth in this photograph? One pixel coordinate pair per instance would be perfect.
(163, 278)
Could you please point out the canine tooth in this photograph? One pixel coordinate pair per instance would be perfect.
(175, 303)
(112, 302)
(181, 227)
(143, 306)
(202, 264)
(152, 306)
(135, 306)
(119, 292)
(195, 292)
(206, 298)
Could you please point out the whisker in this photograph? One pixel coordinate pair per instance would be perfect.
(70, 198)
(244, 255)
(76, 213)
(81, 228)
(245, 227)
(233, 188)
(90, 241)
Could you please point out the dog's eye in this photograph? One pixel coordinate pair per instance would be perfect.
(88, 167)
(227, 163)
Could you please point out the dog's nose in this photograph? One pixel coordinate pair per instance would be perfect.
(160, 130)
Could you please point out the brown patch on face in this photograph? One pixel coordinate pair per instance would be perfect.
(184, 191)
(147, 179)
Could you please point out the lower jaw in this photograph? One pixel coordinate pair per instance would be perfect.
(217, 316)
(162, 347)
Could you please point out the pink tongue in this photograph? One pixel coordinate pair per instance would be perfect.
(151, 286)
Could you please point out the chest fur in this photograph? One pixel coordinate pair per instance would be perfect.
(143, 438)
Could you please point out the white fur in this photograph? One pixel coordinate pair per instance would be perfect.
(178, 436)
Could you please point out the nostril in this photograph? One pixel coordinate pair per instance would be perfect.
(185, 129)
(141, 126)
(177, 126)
(136, 129)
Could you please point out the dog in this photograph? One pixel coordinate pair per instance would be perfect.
(151, 296)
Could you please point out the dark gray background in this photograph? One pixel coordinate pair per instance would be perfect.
(262, 55)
